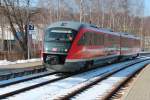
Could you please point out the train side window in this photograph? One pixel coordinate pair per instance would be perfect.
(99, 39)
(90, 38)
(86, 39)
(93, 38)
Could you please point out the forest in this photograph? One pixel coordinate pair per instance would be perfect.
(118, 15)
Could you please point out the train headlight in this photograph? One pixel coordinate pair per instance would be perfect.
(66, 50)
(46, 49)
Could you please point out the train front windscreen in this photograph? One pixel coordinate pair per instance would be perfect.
(58, 40)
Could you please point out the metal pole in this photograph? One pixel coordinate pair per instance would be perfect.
(58, 8)
(28, 44)
(90, 15)
(28, 41)
(81, 10)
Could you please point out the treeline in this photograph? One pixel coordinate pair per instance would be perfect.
(119, 15)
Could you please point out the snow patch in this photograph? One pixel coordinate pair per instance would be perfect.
(6, 62)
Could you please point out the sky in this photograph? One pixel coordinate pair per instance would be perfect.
(146, 11)
(147, 7)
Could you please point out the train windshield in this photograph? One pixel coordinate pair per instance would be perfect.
(59, 34)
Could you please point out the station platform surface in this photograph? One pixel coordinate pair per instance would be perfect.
(140, 88)
(19, 67)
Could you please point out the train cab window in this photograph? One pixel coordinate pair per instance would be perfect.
(60, 34)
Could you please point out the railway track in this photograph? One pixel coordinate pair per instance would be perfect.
(18, 85)
(13, 81)
(83, 90)
(113, 93)
(65, 87)
(28, 83)
(5, 83)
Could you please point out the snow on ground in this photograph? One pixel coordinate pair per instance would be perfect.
(26, 84)
(6, 62)
(99, 90)
(47, 92)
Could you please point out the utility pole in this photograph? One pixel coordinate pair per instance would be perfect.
(90, 15)
(103, 15)
(28, 44)
(142, 34)
(81, 10)
(2, 30)
(58, 13)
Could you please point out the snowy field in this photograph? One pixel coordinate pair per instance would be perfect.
(6, 62)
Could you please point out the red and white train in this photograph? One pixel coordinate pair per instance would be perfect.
(70, 46)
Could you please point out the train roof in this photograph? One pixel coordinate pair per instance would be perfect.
(129, 35)
(71, 24)
(75, 25)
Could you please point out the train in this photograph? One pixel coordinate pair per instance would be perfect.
(70, 46)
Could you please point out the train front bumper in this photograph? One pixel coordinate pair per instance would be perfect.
(66, 67)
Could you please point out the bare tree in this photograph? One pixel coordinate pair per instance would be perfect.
(120, 15)
(18, 18)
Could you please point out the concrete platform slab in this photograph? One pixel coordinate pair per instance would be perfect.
(21, 65)
(140, 89)
(4, 69)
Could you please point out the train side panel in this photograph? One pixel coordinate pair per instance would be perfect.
(112, 44)
(88, 46)
(98, 47)
(130, 47)
(85, 47)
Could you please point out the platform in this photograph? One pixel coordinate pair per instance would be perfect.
(19, 67)
(140, 88)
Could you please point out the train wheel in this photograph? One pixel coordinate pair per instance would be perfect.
(89, 65)
(137, 55)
